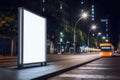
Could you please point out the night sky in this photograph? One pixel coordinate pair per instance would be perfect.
(103, 9)
(111, 9)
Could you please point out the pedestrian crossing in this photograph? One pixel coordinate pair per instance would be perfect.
(102, 69)
(97, 68)
(89, 76)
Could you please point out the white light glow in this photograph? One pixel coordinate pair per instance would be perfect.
(34, 38)
(93, 26)
(103, 37)
(84, 15)
(99, 33)
(106, 40)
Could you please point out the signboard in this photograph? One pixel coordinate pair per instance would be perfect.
(32, 38)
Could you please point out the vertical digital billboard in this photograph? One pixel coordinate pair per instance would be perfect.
(32, 38)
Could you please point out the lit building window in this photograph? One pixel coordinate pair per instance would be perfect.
(107, 35)
(106, 30)
(92, 16)
(106, 22)
(82, 2)
(93, 19)
(43, 1)
(93, 12)
(61, 6)
(92, 9)
(82, 10)
(43, 9)
(106, 26)
(92, 6)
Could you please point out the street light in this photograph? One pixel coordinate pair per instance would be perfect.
(93, 28)
(107, 40)
(103, 37)
(84, 15)
(99, 34)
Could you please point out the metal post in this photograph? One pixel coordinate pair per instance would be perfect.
(12, 47)
(93, 27)
(75, 34)
(88, 38)
(74, 41)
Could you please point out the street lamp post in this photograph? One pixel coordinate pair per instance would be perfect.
(97, 38)
(83, 16)
(93, 27)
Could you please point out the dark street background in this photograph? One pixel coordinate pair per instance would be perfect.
(102, 69)
(103, 9)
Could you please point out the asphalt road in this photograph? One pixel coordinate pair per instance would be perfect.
(57, 64)
(8, 61)
(107, 68)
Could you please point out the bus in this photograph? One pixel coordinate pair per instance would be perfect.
(106, 49)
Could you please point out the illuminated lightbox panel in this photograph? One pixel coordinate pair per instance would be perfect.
(32, 37)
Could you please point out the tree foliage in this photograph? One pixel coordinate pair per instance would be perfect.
(8, 25)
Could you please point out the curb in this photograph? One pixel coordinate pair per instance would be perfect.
(45, 77)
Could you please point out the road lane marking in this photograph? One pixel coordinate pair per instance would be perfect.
(95, 64)
(99, 68)
(89, 76)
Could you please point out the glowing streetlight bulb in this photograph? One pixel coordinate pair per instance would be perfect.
(103, 37)
(93, 26)
(106, 40)
(99, 33)
(84, 15)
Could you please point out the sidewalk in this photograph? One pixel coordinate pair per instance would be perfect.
(57, 64)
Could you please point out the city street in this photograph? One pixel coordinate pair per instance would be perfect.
(106, 68)
(8, 61)
(59, 40)
(57, 64)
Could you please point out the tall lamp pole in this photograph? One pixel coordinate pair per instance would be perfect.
(93, 27)
(83, 16)
(99, 33)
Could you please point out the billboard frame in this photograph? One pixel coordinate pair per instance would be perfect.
(20, 64)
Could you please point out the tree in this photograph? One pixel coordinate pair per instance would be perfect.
(57, 19)
(93, 42)
(8, 25)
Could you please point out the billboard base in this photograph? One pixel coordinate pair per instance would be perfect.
(32, 65)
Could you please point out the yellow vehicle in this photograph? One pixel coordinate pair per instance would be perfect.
(106, 49)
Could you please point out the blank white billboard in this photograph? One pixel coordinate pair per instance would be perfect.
(32, 37)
